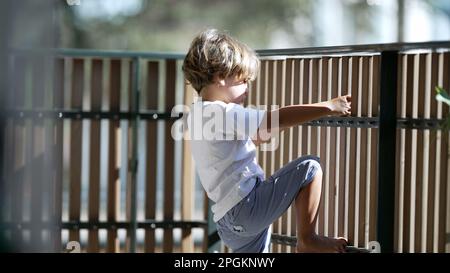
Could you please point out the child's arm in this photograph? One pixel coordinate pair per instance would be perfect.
(294, 115)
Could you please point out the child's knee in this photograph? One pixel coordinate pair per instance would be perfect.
(311, 169)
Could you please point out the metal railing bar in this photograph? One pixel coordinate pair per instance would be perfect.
(352, 49)
(74, 225)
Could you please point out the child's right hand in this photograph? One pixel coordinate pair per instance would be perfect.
(340, 105)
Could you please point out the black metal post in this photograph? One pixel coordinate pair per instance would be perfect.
(386, 150)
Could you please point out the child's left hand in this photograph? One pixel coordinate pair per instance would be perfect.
(340, 105)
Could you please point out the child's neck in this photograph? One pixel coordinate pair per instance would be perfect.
(209, 94)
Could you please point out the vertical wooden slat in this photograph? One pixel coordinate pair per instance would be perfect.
(285, 145)
(373, 112)
(94, 152)
(430, 159)
(169, 181)
(7, 155)
(297, 80)
(188, 184)
(313, 97)
(408, 84)
(323, 150)
(305, 131)
(49, 233)
(18, 97)
(422, 163)
(58, 103)
(37, 189)
(440, 189)
(444, 207)
(420, 91)
(363, 179)
(151, 153)
(342, 133)
(399, 157)
(128, 165)
(431, 82)
(358, 162)
(352, 149)
(113, 194)
(75, 148)
(333, 142)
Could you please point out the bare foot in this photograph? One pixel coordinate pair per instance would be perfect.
(321, 244)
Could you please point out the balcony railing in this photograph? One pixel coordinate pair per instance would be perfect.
(89, 157)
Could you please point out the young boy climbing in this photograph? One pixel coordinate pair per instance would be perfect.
(224, 136)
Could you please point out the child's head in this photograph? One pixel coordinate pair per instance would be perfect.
(214, 56)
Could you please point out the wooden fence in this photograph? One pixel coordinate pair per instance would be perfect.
(85, 114)
(349, 151)
(89, 157)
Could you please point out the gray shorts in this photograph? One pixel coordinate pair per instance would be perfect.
(245, 228)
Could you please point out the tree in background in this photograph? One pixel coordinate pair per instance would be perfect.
(167, 25)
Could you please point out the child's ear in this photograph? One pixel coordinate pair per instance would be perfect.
(220, 82)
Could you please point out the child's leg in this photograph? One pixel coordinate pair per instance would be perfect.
(307, 205)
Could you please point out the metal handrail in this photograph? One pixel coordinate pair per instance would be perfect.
(328, 50)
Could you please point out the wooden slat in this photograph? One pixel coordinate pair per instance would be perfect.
(408, 83)
(128, 106)
(151, 153)
(420, 190)
(113, 194)
(8, 155)
(444, 206)
(49, 155)
(94, 154)
(18, 159)
(187, 184)
(365, 146)
(129, 70)
(285, 145)
(313, 97)
(58, 103)
(440, 195)
(333, 143)
(352, 150)
(341, 153)
(296, 82)
(399, 159)
(305, 131)
(431, 82)
(75, 147)
(169, 179)
(430, 153)
(373, 112)
(33, 181)
(323, 150)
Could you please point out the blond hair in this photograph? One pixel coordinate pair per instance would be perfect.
(216, 54)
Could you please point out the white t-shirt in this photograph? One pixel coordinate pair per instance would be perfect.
(224, 154)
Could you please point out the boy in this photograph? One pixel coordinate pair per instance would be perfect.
(223, 140)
